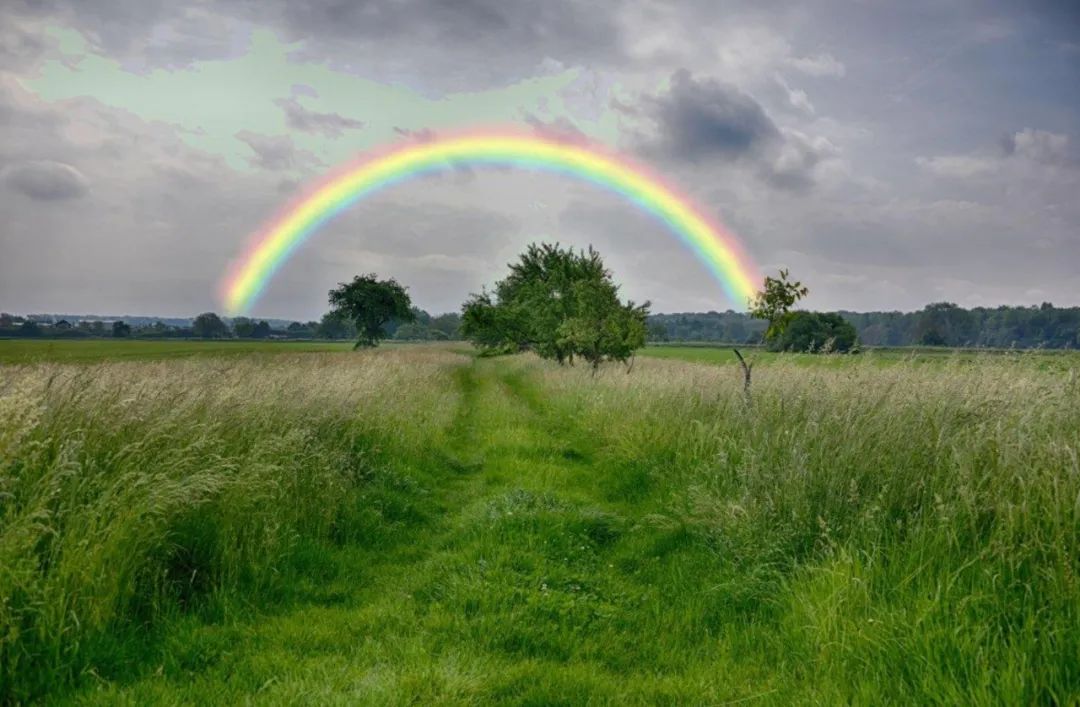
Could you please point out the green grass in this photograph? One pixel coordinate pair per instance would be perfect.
(419, 526)
(14, 351)
(1057, 359)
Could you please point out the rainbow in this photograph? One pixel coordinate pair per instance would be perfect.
(716, 247)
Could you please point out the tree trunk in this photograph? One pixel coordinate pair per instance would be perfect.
(746, 374)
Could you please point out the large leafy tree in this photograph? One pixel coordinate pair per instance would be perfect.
(370, 303)
(774, 301)
(560, 303)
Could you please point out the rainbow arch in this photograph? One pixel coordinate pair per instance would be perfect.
(715, 246)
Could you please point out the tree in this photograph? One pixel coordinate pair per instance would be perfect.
(773, 303)
(560, 303)
(370, 304)
(816, 331)
(656, 332)
(120, 330)
(261, 330)
(334, 325)
(944, 324)
(29, 328)
(243, 327)
(449, 324)
(209, 326)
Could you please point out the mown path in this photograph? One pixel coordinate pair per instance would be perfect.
(520, 569)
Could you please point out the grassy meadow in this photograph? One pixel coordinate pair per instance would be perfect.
(417, 525)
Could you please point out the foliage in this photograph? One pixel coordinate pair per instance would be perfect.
(774, 301)
(418, 332)
(560, 303)
(370, 304)
(209, 326)
(120, 330)
(815, 331)
(335, 325)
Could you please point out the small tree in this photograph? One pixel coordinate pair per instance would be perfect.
(370, 303)
(120, 330)
(773, 303)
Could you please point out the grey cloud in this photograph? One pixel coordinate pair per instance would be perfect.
(560, 129)
(422, 135)
(823, 64)
(701, 119)
(329, 124)
(276, 152)
(45, 180)
(792, 164)
(521, 33)
(1039, 146)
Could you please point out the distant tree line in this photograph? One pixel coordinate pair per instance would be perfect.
(938, 324)
(208, 325)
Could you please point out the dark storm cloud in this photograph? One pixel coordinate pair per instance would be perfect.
(702, 118)
(329, 124)
(275, 152)
(703, 121)
(46, 180)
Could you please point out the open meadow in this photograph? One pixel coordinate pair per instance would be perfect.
(419, 525)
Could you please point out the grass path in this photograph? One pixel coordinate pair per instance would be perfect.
(516, 566)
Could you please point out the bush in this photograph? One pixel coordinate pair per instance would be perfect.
(815, 331)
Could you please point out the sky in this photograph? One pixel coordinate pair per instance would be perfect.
(889, 154)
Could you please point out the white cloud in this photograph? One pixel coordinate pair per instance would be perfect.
(823, 64)
(957, 166)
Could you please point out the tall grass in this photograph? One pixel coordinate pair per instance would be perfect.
(133, 491)
(913, 531)
(859, 533)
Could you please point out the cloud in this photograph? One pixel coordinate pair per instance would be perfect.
(705, 122)
(792, 165)
(796, 98)
(45, 180)
(1039, 146)
(422, 135)
(702, 119)
(818, 65)
(957, 166)
(331, 125)
(561, 129)
(276, 152)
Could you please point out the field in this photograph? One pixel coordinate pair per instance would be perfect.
(418, 525)
(14, 351)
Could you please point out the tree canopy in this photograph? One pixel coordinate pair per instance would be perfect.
(560, 303)
(209, 326)
(774, 302)
(370, 303)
